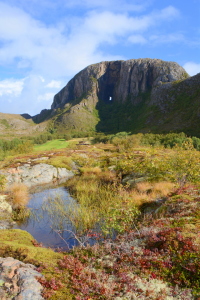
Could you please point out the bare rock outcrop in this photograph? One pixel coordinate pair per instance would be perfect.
(117, 80)
(38, 174)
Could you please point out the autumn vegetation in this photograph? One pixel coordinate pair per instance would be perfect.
(138, 199)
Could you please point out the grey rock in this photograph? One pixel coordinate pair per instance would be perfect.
(4, 205)
(6, 221)
(30, 287)
(38, 174)
(7, 224)
(41, 158)
(19, 280)
(118, 79)
(133, 178)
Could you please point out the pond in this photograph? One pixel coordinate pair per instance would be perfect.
(51, 229)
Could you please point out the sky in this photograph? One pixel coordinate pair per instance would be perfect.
(44, 43)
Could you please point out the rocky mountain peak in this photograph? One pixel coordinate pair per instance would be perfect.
(117, 80)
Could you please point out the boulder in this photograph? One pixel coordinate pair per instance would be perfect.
(38, 174)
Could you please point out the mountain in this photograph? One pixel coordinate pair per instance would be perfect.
(138, 95)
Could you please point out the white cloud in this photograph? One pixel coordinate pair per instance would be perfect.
(46, 97)
(107, 23)
(114, 5)
(167, 38)
(28, 95)
(54, 84)
(192, 68)
(137, 39)
(65, 49)
(50, 55)
(169, 12)
(11, 87)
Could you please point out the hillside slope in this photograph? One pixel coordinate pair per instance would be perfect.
(14, 124)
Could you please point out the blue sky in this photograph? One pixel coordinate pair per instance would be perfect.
(44, 43)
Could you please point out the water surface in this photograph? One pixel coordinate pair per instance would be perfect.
(42, 226)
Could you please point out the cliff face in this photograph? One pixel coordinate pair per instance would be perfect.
(118, 80)
(137, 95)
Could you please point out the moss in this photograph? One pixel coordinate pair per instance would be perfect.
(19, 241)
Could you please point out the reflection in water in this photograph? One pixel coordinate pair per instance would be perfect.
(46, 219)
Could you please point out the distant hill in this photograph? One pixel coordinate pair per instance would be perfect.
(26, 116)
(14, 125)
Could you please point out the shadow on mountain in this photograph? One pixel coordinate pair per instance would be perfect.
(26, 116)
(115, 117)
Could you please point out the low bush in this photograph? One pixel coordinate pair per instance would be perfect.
(24, 147)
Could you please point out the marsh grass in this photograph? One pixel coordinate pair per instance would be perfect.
(145, 192)
(18, 195)
(116, 205)
(68, 215)
(91, 170)
(101, 201)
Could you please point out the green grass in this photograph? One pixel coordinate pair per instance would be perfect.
(50, 145)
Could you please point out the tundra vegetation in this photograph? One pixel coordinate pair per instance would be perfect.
(143, 190)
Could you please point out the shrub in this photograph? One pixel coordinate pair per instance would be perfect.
(2, 182)
(24, 147)
(2, 154)
(196, 142)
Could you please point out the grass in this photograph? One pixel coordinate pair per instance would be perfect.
(50, 145)
(146, 192)
(61, 162)
(5, 123)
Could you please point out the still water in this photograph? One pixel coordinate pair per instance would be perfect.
(43, 227)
